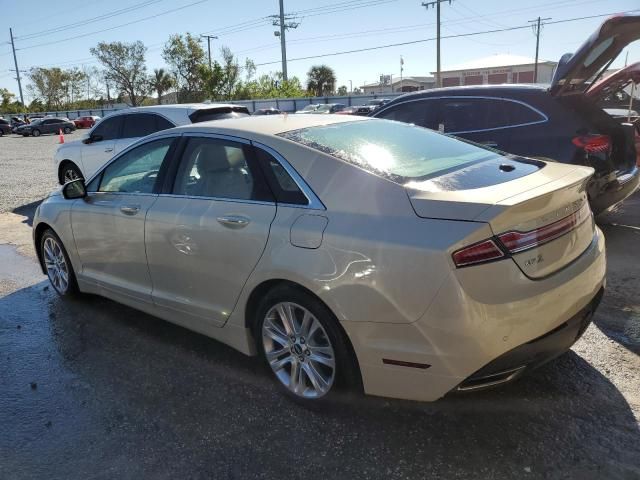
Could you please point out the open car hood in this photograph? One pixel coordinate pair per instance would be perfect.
(616, 82)
(575, 70)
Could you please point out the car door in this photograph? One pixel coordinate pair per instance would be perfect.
(205, 235)
(108, 225)
(98, 148)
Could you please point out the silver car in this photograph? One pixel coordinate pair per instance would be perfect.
(347, 252)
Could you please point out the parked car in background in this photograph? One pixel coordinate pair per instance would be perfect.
(116, 132)
(346, 252)
(309, 108)
(362, 110)
(329, 108)
(267, 111)
(16, 122)
(378, 102)
(561, 122)
(46, 125)
(86, 122)
(5, 127)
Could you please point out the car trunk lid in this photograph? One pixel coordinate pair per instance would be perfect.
(541, 220)
(574, 71)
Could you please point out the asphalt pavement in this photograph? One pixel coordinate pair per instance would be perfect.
(90, 389)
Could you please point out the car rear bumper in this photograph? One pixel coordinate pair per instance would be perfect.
(616, 191)
(534, 353)
(466, 329)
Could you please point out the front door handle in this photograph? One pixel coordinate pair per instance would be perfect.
(107, 150)
(130, 209)
(233, 221)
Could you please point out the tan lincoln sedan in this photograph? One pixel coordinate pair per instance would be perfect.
(346, 252)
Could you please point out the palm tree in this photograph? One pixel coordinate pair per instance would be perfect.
(161, 81)
(321, 80)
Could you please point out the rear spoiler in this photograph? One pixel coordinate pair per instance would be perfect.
(197, 115)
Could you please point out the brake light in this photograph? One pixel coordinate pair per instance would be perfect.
(593, 143)
(481, 252)
(518, 241)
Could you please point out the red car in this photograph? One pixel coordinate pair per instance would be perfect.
(86, 122)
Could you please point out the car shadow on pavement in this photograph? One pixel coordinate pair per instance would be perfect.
(28, 211)
(93, 386)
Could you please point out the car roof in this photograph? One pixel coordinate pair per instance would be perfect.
(179, 106)
(475, 89)
(268, 124)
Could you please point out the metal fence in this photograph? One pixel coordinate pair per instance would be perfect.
(285, 104)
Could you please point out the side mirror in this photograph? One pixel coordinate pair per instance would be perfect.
(74, 189)
(92, 138)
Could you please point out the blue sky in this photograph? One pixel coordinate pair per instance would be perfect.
(325, 26)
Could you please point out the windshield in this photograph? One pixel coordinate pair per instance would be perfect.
(36, 122)
(324, 108)
(398, 151)
(309, 108)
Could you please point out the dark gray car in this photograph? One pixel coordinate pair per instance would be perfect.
(46, 125)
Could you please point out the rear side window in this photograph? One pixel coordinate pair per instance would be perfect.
(419, 112)
(143, 124)
(108, 129)
(285, 189)
(468, 114)
(397, 151)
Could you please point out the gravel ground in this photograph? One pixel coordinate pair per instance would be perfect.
(93, 389)
(20, 158)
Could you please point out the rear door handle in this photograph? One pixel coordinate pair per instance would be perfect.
(108, 150)
(233, 221)
(130, 209)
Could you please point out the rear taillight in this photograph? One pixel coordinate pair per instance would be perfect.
(593, 143)
(516, 242)
(519, 241)
(481, 252)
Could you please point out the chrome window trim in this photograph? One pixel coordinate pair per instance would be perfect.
(137, 143)
(137, 194)
(314, 202)
(218, 136)
(457, 97)
(217, 199)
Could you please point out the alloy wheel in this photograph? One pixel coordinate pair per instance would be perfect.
(70, 175)
(298, 350)
(56, 265)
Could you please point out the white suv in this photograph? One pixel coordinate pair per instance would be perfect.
(80, 159)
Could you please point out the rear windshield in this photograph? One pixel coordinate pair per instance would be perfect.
(218, 113)
(398, 151)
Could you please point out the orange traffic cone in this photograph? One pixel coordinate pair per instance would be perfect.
(61, 137)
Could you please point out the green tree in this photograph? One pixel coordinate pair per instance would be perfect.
(186, 57)
(321, 80)
(231, 81)
(9, 105)
(161, 81)
(125, 67)
(49, 85)
(342, 91)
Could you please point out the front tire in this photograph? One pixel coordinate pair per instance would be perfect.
(35, 133)
(301, 342)
(67, 130)
(57, 264)
(69, 173)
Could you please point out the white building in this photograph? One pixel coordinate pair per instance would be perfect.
(497, 69)
(388, 84)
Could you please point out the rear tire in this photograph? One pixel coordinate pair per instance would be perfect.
(69, 173)
(57, 264)
(303, 346)
(35, 133)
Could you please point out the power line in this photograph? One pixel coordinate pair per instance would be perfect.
(166, 12)
(87, 21)
(423, 40)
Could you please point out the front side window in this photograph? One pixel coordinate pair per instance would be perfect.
(140, 125)
(217, 168)
(137, 170)
(108, 129)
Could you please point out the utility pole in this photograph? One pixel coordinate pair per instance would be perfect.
(15, 61)
(537, 24)
(436, 3)
(401, 69)
(209, 37)
(283, 21)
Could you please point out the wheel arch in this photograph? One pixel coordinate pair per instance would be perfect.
(63, 164)
(37, 238)
(264, 288)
